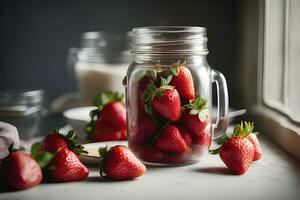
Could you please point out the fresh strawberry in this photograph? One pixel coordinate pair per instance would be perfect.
(186, 135)
(66, 166)
(120, 163)
(143, 130)
(115, 114)
(123, 134)
(203, 139)
(236, 150)
(20, 171)
(149, 76)
(237, 154)
(55, 141)
(171, 140)
(111, 110)
(103, 131)
(257, 149)
(148, 152)
(183, 81)
(165, 100)
(195, 116)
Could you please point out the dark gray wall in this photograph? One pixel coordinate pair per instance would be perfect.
(35, 35)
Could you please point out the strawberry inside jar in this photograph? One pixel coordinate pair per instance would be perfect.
(169, 96)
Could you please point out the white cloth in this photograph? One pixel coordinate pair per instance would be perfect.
(8, 136)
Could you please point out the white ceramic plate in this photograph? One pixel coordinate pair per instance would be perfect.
(77, 118)
(93, 157)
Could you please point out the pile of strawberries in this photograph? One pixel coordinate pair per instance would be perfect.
(56, 159)
(238, 149)
(169, 123)
(108, 121)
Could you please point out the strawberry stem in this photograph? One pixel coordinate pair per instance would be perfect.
(103, 153)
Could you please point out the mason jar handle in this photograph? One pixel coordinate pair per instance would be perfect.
(221, 123)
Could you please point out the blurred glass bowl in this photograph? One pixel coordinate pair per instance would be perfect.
(23, 109)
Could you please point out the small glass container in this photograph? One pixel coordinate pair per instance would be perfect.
(23, 109)
(160, 132)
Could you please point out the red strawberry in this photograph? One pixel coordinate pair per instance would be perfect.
(115, 114)
(183, 81)
(168, 105)
(20, 171)
(237, 153)
(67, 167)
(186, 135)
(103, 131)
(143, 130)
(195, 116)
(203, 139)
(257, 149)
(236, 150)
(148, 153)
(165, 100)
(110, 114)
(171, 140)
(123, 134)
(120, 163)
(55, 141)
(143, 82)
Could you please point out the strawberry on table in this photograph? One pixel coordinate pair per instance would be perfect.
(195, 116)
(236, 150)
(257, 149)
(164, 99)
(171, 140)
(109, 117)
(55, 141)
(183, 81)
(19, 171)
(120, 163)
(103, 131)
(63, 164)
(66, 166)
(115, 114)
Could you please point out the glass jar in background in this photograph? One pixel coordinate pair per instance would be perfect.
(168, 127)
(23, 109)
(101, 63)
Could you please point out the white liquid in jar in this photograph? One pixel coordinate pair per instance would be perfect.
(99, 77)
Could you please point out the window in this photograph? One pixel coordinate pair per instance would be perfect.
(269, 60)
(281, 62)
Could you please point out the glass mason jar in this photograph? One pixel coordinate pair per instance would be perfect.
(169, 96)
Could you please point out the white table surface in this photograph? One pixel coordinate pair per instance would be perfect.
(275, 176)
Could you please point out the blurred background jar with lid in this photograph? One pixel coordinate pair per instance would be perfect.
(98, 65)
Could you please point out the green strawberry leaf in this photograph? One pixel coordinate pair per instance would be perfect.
(73, 144)
(199, 104)
(42, 158)
(214, 151)
(244, 129)
(101, 99)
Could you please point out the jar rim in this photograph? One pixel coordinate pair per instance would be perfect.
(170, 29)
(169, 40)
